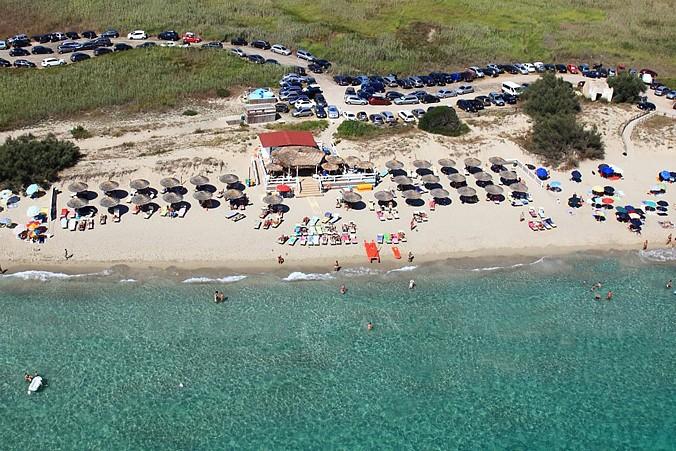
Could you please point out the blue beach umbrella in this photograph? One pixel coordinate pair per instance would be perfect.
(555, 184)
(33, 211)
(665, 175)
(32, 189)
(576, 176)
(542, 173)
(650, 203)
(607, 170)
(621, 210)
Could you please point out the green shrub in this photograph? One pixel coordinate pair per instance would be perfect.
(80, 132)
(442, 120)
(357, 130)
(315, 126)
(26, 159)
(223, 92)
(560, 139)
(626, 87)
(550, 95)
(190, 113)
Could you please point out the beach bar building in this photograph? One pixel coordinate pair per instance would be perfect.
(259, 106)
(296, 160)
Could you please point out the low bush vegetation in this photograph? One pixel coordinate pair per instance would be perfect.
(442, 120)
(359, 131)
(314, 126)
(626, 87)
(27, 159)
(190, 113)
(557, 137)
(80, 132)
(158, 78)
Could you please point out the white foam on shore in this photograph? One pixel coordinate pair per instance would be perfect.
(296, 276)
(226, 279)
(517, 265)
(403, 269)
(359, 271)
(44, 276)
(128, 281)
(658, 255)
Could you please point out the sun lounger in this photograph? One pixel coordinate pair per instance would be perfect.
(182, 212)
(546, 225)
(550, 222)
(380, 238)
(64, 223)
(91, 224)
(345, 238)
(334, 219)
(82, 225)
(292, 240)
(402, 236)
(396, 252)
(136, 210)
(395, 213)
(395, 238)
(103, 219)
(380, 215)
(389, 216)
(230, 214)
(541, 213)
(539, 225)
(372, 206)
(372, 252)
(303, 241)
(313, 221)
(64, 213)
(315, 240)
(388, 238)
(239, 217)
(148, 214)
(532, 226)
(353, 239)
(324, 239)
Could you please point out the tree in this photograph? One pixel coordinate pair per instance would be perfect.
(626, 87)
(560, 139)
(550, 95)
(26, 159)
(442, 120)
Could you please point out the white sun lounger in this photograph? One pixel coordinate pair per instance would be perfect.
(72, 224)
(182, 212)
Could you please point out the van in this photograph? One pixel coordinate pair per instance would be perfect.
(512, 88)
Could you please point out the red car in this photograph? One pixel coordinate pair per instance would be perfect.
(572, 68)
(377, 100)
(191, 38)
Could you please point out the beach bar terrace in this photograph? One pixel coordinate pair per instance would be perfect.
(295, 159)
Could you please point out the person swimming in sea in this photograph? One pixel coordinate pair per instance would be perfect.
(411, 284)
(669, 284)
(597, 297)
(343, 289)
(27, 377)
(369, 326)
(609, 296)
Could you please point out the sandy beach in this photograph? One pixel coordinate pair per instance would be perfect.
(172, 145)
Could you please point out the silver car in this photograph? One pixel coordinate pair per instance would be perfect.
(444, 93)
(406, 100)
(465, 89)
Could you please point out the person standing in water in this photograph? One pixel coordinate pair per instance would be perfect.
(410, 257)
(336, 266)
(669, 284)
(411, 284)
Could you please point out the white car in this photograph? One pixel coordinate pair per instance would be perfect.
(349, 116)
(280, 49)
(137, 35)
(302, 104)
(406, 116)
(51, 62)
(354, 100)
(529, 67)
(168, 44)
(539, 66)
(523, 70)
(444, 93)
(478, 72)
(239, 52)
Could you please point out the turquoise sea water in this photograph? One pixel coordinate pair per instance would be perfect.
(511, 358)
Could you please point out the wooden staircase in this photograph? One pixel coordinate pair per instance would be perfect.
(309, 187)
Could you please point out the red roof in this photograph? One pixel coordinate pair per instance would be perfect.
(285, 138)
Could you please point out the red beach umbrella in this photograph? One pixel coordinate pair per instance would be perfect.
(283, 189)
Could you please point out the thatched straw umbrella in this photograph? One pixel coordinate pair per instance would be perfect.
(384, 196)
(482, 176)
(351, 160)
(467, 191)
(202, 195)
(519, 187)
(77, 202)
(334, 159)
(108, 186)
(351, 197)
(233, 194)
(199, 180)
(274, 167)
(273, 199)
(139, 184)
(411, 194)
(457, 178)
(172, 198)
(447, 163)
(140, 199)
(228, 179)
(109, 202)
(429, 178)
(497, 161)
(77, 187)
(170, 182)
(472, 162)
(402, 180)
(439, 193)
(331, 167)
(393, 165)
(508, 175)
(494, 190)
(364, 165)
(422, 164)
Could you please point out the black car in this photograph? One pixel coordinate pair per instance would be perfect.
(485, 100)
(510, 69)
(5, 63)
(20, 41)
(320, 100)
(561, 68)
(19, 52)
(342, 80)
(261, 44)
(110, 34)
(76, 57)
(146, 45)
(41, 50)
(391, 95)
(550, 68)
(102, 51)
(213, 45)
(169, 35)
(467, 105)
(271, 61)
(89, 34)
(325, 64)
(491, 72)
(103, 42)
(239, 41)
(645, 105)
(509, 98)
(429, 98)
(315, 68)
(87, 45)
(121, 47)
(42, 38)
(300, 70)
(72, 35)
(26, 63)
(320, 112)
(404, 83)
(256, 59)
(282, 107)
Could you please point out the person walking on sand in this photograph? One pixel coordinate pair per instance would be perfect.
(645, 245)
(669, 239)
(2, 271)
(336, 266)
(67, 255)
(280, 259)
(410, 257)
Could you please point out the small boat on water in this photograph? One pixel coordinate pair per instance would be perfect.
(35, 385)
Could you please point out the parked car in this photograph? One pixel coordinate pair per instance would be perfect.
(191, 38)
(362, 116)
(5, 63)
(303, 112)
(418, 112)
(406, 116)
(89, 34)
(333, 111)
(58, 36)
(50, 62)
(102, 51)
(379, 100)
(315, 68)
(444, 93)
(19, 40)
(280, 49)
(257, 59)
(72, 35)
(213, 45)
(342, 80)
(282, 107)
(19, 51)
(349, 116)
(523, 70)
(509, 98)
(646, 106)
(40, 38)
(485, 100)
(355, 100)
(260, 44)
(393, 95)
(168, 35)
(407, 100)
(102, 41)
(491, 72)
(377, 119)
(464, 89)
(77, 57)
(530, 67)
(539, 66)
(146, 45)
(671, 95)
(662, 91)
(136, 35)
(477, 72)
(121, 47)
(496, 98)
(305, 55)
(23, 63)
(238, 41)
(239, 52)
(466, 105)
(429, 98)
(320, 112)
